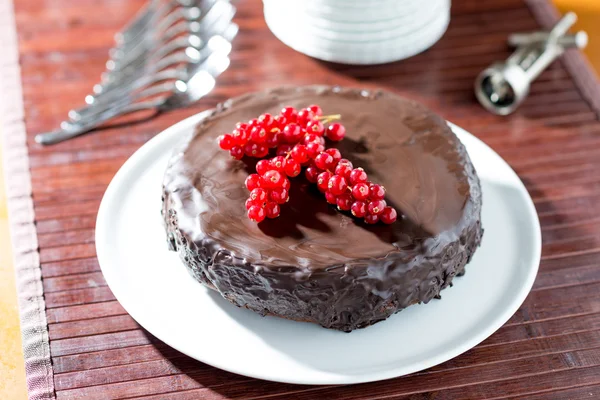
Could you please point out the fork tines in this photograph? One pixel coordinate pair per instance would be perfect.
(162, 48)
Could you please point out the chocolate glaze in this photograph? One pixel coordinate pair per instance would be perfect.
(314, 263)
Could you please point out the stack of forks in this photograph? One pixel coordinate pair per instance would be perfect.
(167, 57)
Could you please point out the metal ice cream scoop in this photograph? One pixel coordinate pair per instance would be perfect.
(502, 87)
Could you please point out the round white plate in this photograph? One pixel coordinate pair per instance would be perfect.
(357, 11)
(151, 283)
(364, 19)
(304, 28)
(360, 52)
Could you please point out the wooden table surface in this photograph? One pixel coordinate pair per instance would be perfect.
(550, 349)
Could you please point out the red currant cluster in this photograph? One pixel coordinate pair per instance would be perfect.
(349, 188)
(298, 137)
(267, 191)
(255, 137)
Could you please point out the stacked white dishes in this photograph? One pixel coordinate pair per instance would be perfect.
(358, 31)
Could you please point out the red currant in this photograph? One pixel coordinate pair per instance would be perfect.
(324, 161)
(272, 179)
(358, 175)
(312, 174)
(298, 138)
(313, 149)
(226, 142)
(280, 122)
(315, 127)
(241, 136)
(389, 215)
(258, 195)
(251, 149)
(292, 168)
(360, 191)
(237, 152)
(262, 151)
(254, 122)
(299, 153)
(263, 166)
(323, 181)
(359, 209)
(253, 181)
(274, 139)
(344, 202)
(376, 207)
(256, 213)
(242, 126)
(305, 116)
(335, 132)
(250, 203)
(293, 133)
(371, 219)
(316, 110)
(258, 134)
(279, 195)
(283, 149)
(278, 163)
(331, 198)
(335, 153)
(289, 113)
(376, 192)
(311, 137)
(344, 168)
(337, 185)
(267, 121)
(272, 210)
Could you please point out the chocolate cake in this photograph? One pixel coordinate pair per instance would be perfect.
(315, 263)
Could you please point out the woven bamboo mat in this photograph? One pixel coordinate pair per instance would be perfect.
(550, 349)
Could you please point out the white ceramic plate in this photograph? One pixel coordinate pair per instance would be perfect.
(360, 52)
(358, 11)
(155, 288)
(315, 22)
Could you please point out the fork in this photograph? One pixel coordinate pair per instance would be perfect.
(182, 94)
(167, 57)
(146, 86)
(161, 37)
(163, 56)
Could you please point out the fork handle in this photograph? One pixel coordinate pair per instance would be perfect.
(73, 129)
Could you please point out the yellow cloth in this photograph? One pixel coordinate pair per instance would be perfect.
(588, 13)
(12, 369)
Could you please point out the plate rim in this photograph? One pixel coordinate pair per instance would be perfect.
(497, 322)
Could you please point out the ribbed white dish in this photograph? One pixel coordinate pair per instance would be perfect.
(357, 49)
(330, 11)
(311, 22)
(358, 32)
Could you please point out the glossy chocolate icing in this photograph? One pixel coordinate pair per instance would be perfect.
(314, 263)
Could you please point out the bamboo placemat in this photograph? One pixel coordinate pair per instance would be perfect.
(550, 349)
(30, 292)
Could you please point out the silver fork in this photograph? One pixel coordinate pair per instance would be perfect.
(145, 86)
(181, 94)
(159, 37)
(162, 57)
(146, 19)
(161, 81)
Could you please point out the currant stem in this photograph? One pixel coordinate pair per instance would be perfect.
(328, 118)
